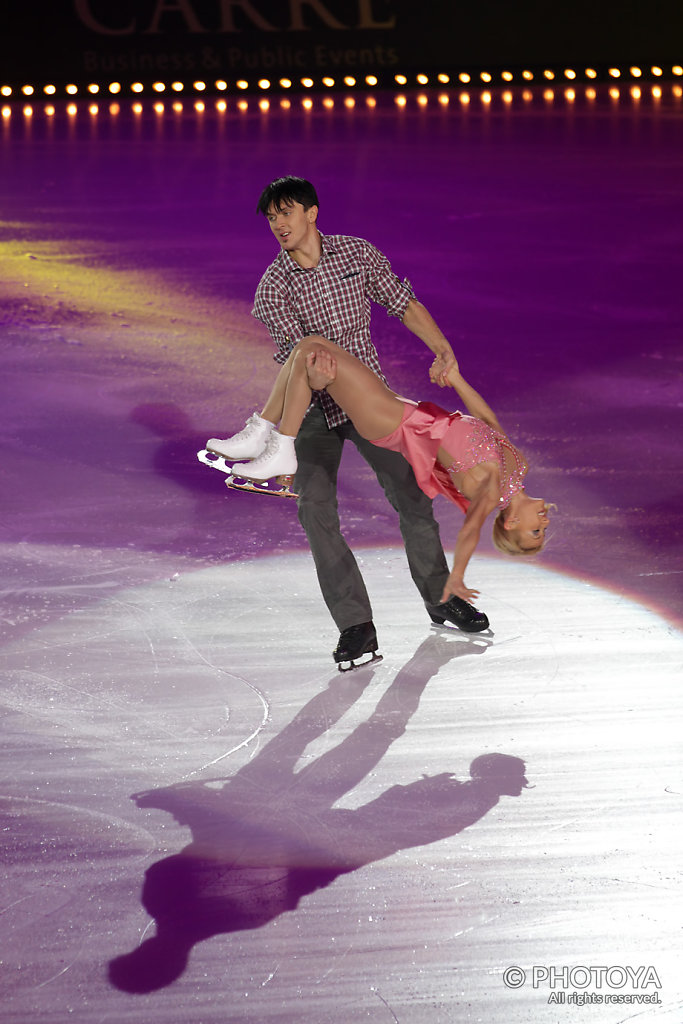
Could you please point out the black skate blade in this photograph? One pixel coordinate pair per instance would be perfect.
(374, 656)
(280, 487)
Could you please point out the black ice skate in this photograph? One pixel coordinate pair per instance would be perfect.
(462, 614)
(355, 642)
(280, 486)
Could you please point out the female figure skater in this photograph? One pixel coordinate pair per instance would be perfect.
(468, 458)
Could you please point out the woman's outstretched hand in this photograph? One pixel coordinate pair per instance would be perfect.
(455, 587)
(321, 369)
(443, 363)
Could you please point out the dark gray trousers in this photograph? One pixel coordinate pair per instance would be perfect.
(319, 452)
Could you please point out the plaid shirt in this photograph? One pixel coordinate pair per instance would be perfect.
(332, 299)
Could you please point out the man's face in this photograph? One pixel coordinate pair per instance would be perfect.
(292, 225)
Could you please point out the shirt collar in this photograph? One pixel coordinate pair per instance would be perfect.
(327, 246)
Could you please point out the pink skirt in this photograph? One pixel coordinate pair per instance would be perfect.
(418, 438)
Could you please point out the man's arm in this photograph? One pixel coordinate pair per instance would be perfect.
(419, 320)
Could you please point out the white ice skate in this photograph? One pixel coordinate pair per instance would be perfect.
(248, 444)
(278, 459)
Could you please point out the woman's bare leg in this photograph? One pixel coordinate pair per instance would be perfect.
(275, 402)
(373, 408)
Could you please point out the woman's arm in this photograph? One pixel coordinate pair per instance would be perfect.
(476, 406)
(467, 541)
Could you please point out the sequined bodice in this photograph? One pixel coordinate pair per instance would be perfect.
(481, 443)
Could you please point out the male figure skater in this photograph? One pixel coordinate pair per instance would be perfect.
(324, 284)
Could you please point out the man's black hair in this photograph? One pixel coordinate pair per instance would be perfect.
(284, 192)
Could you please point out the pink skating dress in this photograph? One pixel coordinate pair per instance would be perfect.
(427, 427)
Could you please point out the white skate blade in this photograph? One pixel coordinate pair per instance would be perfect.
(279, 487)
(209, 458)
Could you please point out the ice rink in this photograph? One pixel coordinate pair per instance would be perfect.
(203, 820)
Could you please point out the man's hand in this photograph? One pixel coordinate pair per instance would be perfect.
(444, 362)
(321, 369)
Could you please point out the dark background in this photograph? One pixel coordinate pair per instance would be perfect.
(69, 40)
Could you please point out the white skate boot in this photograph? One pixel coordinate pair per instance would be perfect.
(248, 444)
(278, 459)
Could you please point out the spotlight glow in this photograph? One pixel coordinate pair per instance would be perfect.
(400, 79)
(71, 90)
(591, 73)
(507, 76)
(158, 87)
(286, 83)
(349, 80)
(370, 80)
(614, 73)
(199, 86)
(485, 76)
(93, 88)
(221, 85)
(422, 80)
(528, 76)
(464, 77)
(27, 90)
(264, 83)
(114, 88)
(242, 84)
(177, 86)
(307, 83)
(137, 87)
(328, 82)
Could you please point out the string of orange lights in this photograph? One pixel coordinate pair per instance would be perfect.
(485, 98)
(470, 78)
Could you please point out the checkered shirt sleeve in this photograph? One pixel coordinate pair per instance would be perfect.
(332, 299)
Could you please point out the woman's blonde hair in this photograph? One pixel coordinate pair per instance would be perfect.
(506, 541)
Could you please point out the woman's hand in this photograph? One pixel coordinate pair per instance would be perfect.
(455, 587)
(440, 368)
(321, 369)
